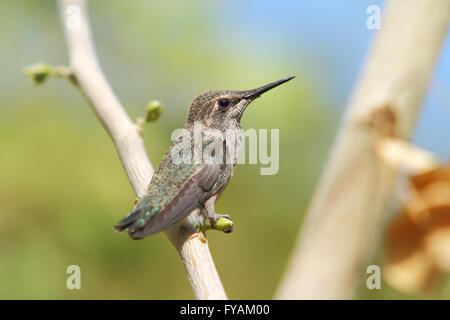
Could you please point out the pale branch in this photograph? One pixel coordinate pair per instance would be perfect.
(192, 247)
(343, 223)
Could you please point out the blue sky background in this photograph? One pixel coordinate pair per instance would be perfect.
(332, 40)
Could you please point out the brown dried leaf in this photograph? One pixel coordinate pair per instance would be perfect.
(418, 240)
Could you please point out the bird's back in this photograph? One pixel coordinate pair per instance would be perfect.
(176, 189)
(166, 183)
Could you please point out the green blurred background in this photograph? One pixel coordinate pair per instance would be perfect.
(62, 187)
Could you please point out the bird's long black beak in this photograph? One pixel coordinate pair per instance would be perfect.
(255, 93)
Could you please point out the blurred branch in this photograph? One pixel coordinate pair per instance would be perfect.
(343, 223)
(192, 247)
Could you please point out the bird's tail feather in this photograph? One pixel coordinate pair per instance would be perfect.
(128, 221)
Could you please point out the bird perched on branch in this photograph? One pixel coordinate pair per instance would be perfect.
(192, 174)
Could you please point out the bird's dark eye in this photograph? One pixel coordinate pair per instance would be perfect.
(224, 103)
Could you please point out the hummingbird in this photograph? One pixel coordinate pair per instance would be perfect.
(178, 189)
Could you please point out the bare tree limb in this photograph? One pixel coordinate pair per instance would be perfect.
(343, 222)
(192, 247)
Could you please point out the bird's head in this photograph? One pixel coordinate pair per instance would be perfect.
(218, 109)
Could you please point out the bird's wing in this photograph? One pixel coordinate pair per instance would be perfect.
(171, 197)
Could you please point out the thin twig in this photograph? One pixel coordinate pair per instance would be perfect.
(194, 251)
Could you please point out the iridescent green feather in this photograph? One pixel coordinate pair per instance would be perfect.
(165, 184)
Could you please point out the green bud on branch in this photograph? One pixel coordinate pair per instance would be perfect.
(154, 111)
(38, 73)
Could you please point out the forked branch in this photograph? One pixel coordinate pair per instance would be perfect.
(193, 249)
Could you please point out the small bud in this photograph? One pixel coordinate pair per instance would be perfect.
(154, 111)
(38, 73)
(223, 224)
